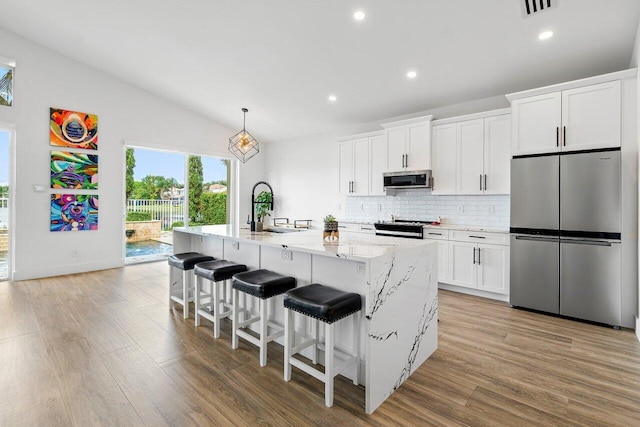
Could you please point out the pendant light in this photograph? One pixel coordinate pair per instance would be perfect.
(243, 145)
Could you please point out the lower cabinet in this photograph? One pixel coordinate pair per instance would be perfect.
(479, 266)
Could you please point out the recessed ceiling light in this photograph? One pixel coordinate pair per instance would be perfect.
(412, 74)
(359, 16)
(333, 98)
(545, 35)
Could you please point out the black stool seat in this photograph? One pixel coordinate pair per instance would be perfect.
(186, 260)
(263, 283)
(218, 270)
(322, 302)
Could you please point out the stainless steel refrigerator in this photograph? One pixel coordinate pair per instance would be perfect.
(566, 233)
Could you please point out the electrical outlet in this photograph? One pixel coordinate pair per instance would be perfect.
(286, 255)
(490, 209)
(235, 245)
(75, 253)
(461, 208)
(361, 267)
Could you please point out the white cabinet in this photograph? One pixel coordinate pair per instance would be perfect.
(362, 160)
(408, 144)
(581, 118)
(377, 164)
(479, 266)
(443, 158)
(472, 156)
(497, 154)
(442, 237)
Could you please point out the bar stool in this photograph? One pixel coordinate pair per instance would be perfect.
(262, 284)
(328, 305)
(184, 262)
(218, 272)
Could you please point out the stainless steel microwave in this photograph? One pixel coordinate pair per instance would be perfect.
(407, 179)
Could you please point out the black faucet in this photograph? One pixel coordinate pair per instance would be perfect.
(253, 202)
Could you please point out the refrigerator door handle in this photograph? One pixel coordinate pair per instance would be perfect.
(537, 239)
(586, 242)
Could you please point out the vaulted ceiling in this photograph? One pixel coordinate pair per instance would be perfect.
(282, 58)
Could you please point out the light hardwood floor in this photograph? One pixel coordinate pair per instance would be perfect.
(103, 349)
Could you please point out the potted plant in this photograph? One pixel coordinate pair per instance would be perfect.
(330, 223)
(263, 202)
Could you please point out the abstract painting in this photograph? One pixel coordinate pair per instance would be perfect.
(74, 212)
(73, 129)
(74, 170)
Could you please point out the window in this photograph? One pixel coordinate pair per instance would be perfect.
(6, 85)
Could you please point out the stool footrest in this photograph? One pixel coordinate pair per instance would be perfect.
(308, 369)
(211, 317)
(302, 346)
(248, 322)
(177, 299)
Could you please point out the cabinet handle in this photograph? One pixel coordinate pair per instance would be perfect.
(435, 234)
(564, 136)
(485, 182)
(406, 160)
(557, 136)
(366, 228)
(477, 237)
(478, 256)
(352, 186)
(474, 256)
(480, 182)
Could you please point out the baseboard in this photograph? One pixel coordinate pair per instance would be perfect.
(474, 292)
(30, 274)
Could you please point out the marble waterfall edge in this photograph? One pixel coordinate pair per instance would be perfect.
(402, 312)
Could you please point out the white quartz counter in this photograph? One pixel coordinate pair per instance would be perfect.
(396, 278)
(352, 246)
(468, 228)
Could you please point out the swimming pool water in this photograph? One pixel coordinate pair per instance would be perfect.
(148, 247)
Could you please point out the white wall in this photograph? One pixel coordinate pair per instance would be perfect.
(44, 79)
(635, 63)
(313, 161)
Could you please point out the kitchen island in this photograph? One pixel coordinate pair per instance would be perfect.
(397, 279)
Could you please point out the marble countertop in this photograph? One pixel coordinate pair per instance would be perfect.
(468, 228)
(353, 246)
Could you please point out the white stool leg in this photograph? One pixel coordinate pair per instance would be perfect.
(316, 337)
(289, 341)
(211, 285)
(196, 300)
(216, 304)
(263, 332)
(328, 365)
(186, 279)
(234, 320)
(356, 344)
(171, 273)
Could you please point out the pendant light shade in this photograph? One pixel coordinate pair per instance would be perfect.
(243, 145)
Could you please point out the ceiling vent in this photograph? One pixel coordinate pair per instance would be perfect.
(533, 7)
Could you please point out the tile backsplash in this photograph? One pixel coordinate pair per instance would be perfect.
(420, 204)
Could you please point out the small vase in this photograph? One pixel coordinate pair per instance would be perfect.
(259, 226)
(331, 226)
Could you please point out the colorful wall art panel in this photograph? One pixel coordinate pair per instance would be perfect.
(74, 170)
(73, 129)
(74, 212)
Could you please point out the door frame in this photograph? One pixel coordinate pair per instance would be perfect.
(10, 128)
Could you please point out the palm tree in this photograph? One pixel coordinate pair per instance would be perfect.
(6, 88)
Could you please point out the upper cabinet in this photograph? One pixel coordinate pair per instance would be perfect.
(408, 145)
(471, 154)
(579, 118)
(362, 160)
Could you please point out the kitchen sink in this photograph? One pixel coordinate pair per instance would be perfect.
(282, 230)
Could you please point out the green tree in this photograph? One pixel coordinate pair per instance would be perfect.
(195, 188)
(131, 164)
(214, 208)
(6, 88)
(152, 187)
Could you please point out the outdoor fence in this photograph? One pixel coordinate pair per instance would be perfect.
(4, 213)
(166, 211)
